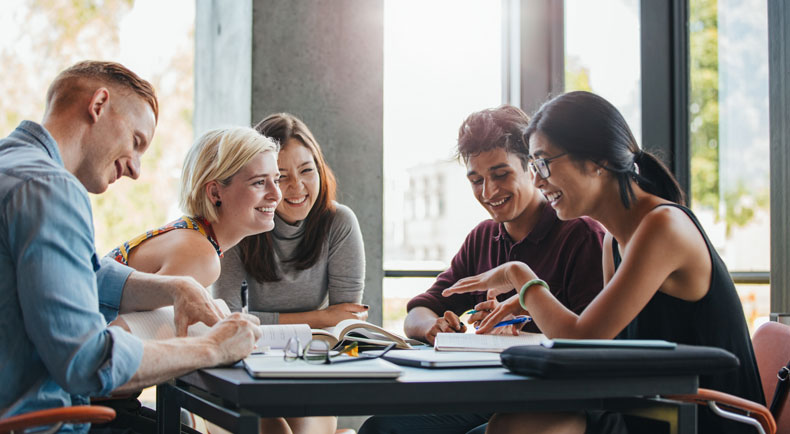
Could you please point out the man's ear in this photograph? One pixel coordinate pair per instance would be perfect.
(99, 103)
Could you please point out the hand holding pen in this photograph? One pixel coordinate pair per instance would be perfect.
(481, 311)
(520, 319)
(447, 323)
(499, 319)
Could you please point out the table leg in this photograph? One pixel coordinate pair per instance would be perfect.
(168, 410)
(687, 418)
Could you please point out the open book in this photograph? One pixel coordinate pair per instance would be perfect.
(485, 343)
(159, 324)
(362, 332)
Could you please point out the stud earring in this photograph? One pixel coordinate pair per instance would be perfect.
(218, 203)
(599, 174)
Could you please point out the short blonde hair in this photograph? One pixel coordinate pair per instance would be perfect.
(217, 156)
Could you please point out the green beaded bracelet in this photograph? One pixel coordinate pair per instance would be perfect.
(524, 290)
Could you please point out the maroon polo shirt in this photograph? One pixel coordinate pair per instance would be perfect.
(566, 254)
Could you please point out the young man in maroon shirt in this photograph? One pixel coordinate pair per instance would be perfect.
(523, 227)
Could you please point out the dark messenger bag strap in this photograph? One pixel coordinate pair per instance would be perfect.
(780, 394)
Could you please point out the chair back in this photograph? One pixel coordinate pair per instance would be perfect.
(771, 344)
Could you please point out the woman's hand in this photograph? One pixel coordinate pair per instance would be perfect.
(505, 310)
(502, 311)
(338, 312)
(495, 281)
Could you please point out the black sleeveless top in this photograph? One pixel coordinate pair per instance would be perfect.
(716, 320)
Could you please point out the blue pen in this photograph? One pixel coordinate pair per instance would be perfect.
(516, 320)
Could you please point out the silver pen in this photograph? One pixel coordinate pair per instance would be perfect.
(244, 292)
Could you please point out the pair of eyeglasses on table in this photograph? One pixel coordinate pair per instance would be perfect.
(318, 352)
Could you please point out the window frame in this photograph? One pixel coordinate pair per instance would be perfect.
(539, 30)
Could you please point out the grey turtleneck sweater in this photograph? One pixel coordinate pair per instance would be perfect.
(337, 277)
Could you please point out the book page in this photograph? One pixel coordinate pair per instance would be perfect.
(276, 335)
(370, 333)
(489, 343)
(365, 329)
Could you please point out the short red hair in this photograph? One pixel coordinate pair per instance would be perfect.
(110, 73)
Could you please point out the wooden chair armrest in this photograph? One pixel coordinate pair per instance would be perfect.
(75, 414)
(750, 408)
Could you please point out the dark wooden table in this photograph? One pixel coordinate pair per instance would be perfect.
(232, 399)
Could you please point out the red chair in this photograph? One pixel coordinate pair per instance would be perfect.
(772, 350)
(57, 417)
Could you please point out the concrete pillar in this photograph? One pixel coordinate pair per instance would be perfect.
(321, 60)
(223, 64)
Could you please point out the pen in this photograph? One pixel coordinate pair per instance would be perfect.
(244, 296)
(473, 311)
(516, 320)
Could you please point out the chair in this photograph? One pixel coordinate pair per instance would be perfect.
(771, 344)
(57, 417)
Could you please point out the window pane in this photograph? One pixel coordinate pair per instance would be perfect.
(432, 81)
(602, 53)
(442, 61)
(155, 40)
(728, 108)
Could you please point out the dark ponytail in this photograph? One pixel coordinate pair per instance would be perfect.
(588, 127)
(655, 178)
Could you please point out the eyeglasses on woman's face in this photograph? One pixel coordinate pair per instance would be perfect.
(318, 352)
(540, 166)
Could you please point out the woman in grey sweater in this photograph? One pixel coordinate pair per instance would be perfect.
(311, 267)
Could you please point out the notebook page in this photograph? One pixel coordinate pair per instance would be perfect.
(152, 324)
(159, 323)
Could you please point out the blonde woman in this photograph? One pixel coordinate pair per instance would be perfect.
(229, 190)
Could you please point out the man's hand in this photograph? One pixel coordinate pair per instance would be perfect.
(338, 312)
(228, 341)
(190, 300)
(234, 337)
(449, 323)
(192, 303)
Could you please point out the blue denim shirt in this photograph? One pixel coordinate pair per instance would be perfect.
(55, 296)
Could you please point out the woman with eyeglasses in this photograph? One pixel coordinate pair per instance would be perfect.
(662, 277)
